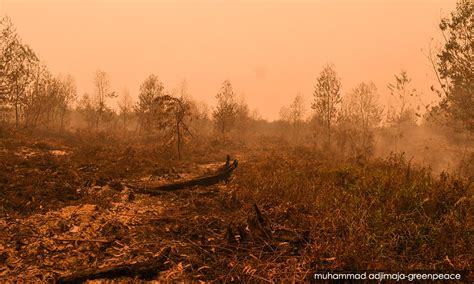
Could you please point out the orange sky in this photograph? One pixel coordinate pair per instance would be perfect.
(270, 50)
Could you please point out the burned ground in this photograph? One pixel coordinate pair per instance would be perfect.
(72, 202)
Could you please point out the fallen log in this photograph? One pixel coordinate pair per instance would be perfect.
(223, 174)
(143, 270)
(81, 240)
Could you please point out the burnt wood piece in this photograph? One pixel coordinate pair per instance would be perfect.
(144, 270)
(222, 175)
(259, 226)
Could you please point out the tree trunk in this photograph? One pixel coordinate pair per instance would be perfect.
(179, 140)
(329, 128)
(17, 119)
(61, 126)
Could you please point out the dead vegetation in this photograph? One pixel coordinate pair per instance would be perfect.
(72, 209)
(91, 192)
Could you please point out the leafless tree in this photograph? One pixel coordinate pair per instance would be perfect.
(86, 108)
(125, 108)
(150, 90)
(360, 114)
(293, 115)
(171, 114)
(101, 94)
(402, 110)
(67, 96)
(327, 97)
(225, 112)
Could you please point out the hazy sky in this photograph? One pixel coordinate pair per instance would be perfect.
(270, 50)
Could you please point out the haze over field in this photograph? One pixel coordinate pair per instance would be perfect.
(130, 147)
(270, 50)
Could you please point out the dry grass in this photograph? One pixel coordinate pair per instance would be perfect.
(320, 213)
(385, 214)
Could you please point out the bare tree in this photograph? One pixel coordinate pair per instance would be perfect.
(201, 121)
(172, 114)
(359, 116)
(101, 94)
(150, 90)
(327, 97)
(67, 96)
(293, 115)
(297, 111)
(181, 111)
(242, 121)
(39, 101)
(366, 111)
(4, 106)
(125, 108)
(401, 112)
(86, 108)
(225, 113)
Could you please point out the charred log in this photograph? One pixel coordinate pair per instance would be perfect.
(222, 175)
(143, 270)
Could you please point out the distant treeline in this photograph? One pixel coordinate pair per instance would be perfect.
(354, 125)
